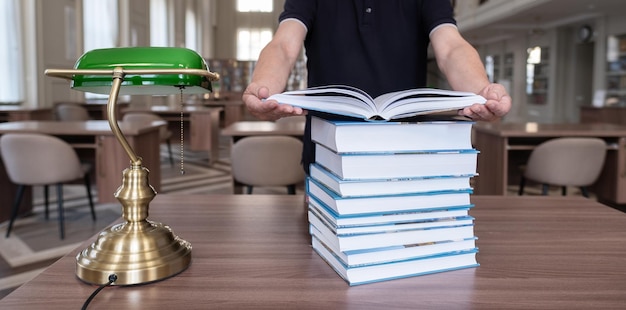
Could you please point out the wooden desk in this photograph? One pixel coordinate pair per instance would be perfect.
(240, 130)
(203, 126)
(11, 113)
(504, 146)
(611, 114)
(97, 110)
(253, 252)
(96, 138)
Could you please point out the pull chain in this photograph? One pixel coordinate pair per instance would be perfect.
(182, 153)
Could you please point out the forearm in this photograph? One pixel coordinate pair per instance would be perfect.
(458, 60)
(464, 70)
(273, 67)
(272, 71)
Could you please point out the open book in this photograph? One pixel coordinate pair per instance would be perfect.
(351, 101)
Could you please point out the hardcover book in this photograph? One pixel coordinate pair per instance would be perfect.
(383, 218)
(351, 101)
(397, 164)
(390, 227)
(348, 242)
(395, 270)
(389, 186)
(426, 135)
(390, 254)
(387, 203)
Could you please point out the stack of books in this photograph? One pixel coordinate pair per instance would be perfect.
(390, 200)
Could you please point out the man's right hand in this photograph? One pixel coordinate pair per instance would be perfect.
(268, 110)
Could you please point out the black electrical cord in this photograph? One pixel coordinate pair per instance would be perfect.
(112, 278)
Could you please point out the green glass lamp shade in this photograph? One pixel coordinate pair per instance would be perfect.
(142, 58)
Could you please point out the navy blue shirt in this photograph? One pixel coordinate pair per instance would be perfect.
(378, 46)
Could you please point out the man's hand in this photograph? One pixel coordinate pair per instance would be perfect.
(268, 110)
(498, 104)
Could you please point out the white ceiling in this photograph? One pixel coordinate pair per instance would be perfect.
(532, 16)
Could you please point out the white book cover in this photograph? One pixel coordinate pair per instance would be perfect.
(385, 239)
(389, 227)
(395, 270)
(351, 101)
(359, 258)
(351, 136)
(396, 165)
(394, 186)
(386, 203)
(384, 218)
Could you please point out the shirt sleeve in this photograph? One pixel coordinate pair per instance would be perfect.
(436, 13)
(302, 10)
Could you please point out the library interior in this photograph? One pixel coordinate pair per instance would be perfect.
(134, 175)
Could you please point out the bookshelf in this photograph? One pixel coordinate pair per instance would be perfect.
(616, 70)
(537, 75)
(507, 65)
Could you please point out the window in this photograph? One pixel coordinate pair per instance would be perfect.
(159, 33)
(537, 74)
(250, 42)
(11, 81)
(255, 5)
(100, 20)
(489, 67)
(191, 34)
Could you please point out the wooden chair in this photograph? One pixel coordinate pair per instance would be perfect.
(37, 159)
(268, 161)
(565, 162)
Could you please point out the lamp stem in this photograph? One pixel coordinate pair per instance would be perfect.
(118, 78)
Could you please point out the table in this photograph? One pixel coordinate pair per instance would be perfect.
(13, 113)
(203, 126)
(244, 129)
(504, 146)
(97, 109)
(253, 252)
(96, 139)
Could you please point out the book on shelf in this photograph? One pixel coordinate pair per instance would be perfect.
(431, 134)
(389, 165)
(362, 205)
(396, 253)
(383, 218)
(358, 275)
(353, 102)
(400, 236)
(389, 186)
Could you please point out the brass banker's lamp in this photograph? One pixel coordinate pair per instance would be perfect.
(137, 250)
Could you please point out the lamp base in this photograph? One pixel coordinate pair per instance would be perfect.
(137, 252)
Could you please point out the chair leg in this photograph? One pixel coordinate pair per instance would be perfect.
(89, 196)
(249, 189)
(169, 149)
(291, 189)
(61, 211)
(522, 184)
(46, 197)
(16, 207)
(564, 190)
(544, 189)
(584, 191)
